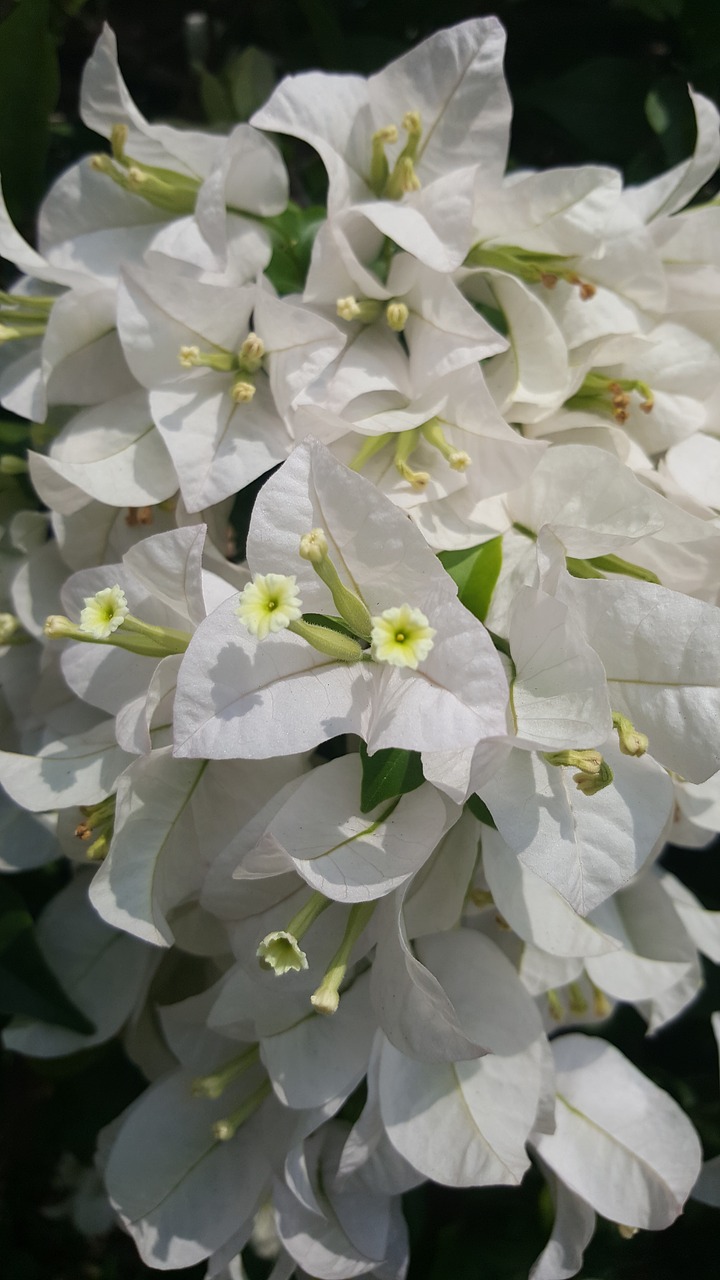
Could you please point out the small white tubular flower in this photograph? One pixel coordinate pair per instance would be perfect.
(401, 637)
(281, 952)
(270, 603)
(104, 612)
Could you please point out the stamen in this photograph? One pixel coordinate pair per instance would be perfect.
(396, 315)
(458, 459)
(327, 996)
(403, 179)
(242, 391)
(379, 167)
(226, 1129)
(214, 1085)
(250, 356)
(367, 450)
(366, 310)
(350, 606)
(221, 361)
(406, 444)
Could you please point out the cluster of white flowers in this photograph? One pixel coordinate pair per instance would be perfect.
(486, 568)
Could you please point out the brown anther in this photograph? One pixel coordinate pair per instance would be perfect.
(647, 406)
(548, 279)
(82, 831)
(138, 515)
(587, 290)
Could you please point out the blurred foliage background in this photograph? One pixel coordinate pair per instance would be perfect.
(592, 80)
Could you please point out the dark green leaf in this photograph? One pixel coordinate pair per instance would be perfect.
(293, 233)
(475, 571)
(479, 810)
(387, 774)
(29, 85)
(215, 98)
(27, 985)
(250, 76)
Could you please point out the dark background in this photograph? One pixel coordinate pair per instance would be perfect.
(592, 80)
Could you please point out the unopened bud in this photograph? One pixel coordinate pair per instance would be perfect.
(590, 783)
(632, 743)
(118, 142)
(314, 546)
(589, 762)
(333, 643)
(412, 122)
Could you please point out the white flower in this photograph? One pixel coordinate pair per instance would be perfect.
(269, 603)
(104, 612)
(402, 637)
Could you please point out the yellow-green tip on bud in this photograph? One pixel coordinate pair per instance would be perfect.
(104, 612)
(281, 952)
(314, 546)
(626, 1233)
(632, 742)
(268, 604)
(396, 315)
(401, 637)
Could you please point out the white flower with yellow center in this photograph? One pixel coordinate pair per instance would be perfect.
(104, 612)
(269, 603)
(401, 637)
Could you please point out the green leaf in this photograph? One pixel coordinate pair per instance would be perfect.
(479, 810)
(250, 76)
(27, 985)
(387, 774)
(476, 572)
(293, 233)
(14, 432)
(214, 97)
(29, 86)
